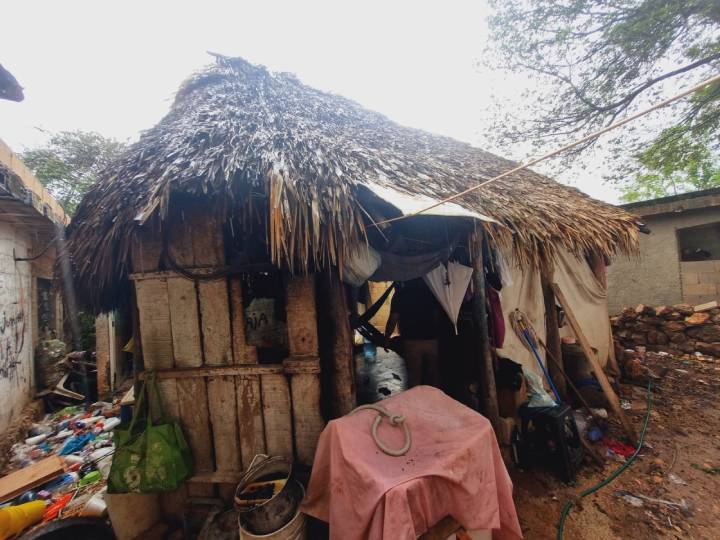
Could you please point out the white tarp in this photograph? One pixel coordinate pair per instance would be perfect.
(449, 284)
(588, 300)
(409, 204)
(586, 296)
(524, 292)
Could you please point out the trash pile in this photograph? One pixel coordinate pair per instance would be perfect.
(60, 469)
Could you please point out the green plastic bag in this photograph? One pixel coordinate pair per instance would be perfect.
(149, 457)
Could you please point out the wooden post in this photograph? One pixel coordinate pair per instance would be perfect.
(596, 367)
(342, 377)
(487, 383)
(102, 354)
(552, 335)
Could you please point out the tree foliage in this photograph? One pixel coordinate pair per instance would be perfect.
(70, 163)
(598, 60)
(675, 163)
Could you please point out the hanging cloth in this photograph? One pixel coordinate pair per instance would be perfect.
(449, 284)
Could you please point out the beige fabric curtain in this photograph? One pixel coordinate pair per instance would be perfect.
(586, 296)
(525, 294)
(588, 301)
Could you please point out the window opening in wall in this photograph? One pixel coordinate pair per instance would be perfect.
(701, 243)
(264, 301)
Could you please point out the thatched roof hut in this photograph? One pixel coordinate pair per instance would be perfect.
(252, 141)
(208, 228)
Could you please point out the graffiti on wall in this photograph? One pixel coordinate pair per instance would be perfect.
(12, 342)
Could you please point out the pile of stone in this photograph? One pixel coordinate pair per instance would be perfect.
(677, 329)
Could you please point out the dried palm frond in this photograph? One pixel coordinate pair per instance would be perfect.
(236, 129)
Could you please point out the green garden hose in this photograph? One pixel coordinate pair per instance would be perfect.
(569, 504)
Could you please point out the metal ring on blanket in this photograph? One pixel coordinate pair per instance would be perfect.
(395, 420)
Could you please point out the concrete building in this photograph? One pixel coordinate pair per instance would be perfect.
(679, 260)
(30, 307)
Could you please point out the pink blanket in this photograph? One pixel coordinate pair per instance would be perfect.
(453, 468)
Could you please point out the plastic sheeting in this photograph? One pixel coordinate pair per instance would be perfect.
(407, 203)
(360, 265)
(588, 300)
(524, 292)
(449, 285)
(586, 296)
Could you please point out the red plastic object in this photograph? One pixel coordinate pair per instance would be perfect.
(57, 504)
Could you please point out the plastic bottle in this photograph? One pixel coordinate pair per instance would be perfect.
(369, 352)
(36, 440)
(15, 519)
(111, 423)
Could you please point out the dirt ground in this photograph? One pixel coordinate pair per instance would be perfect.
(680, 461)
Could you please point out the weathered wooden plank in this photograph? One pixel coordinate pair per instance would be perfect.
(307, 421)
(34, 475)
(217, 371)
(552, 334)
(223, 416)
(215, 322)
(145, 250)
(195, 418)
(301, 316)
(185, 323)
(276, 415)
(610, 394)
(169, 396)
(180, 248)
(155, 328)
(102, 354)
(218, 477)
(242, 352)
(250, 418)
(207, 237)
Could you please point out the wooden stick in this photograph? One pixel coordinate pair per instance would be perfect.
(442, 529)
(597, 369)
(552, 332)
(611, 356)
(567, 378)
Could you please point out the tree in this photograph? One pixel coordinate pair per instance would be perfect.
(599, 60)
(70, 163)
(674, 163)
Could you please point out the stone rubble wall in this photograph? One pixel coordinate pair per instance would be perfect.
(674, 329)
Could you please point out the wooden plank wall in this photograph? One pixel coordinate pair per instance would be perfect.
(186, 324)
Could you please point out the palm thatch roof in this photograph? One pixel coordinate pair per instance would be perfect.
(236, 130)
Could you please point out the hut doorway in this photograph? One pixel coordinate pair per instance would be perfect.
(435, 351)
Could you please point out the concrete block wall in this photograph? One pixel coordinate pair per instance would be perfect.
(16, 316)
(655, 277)
(700, 281)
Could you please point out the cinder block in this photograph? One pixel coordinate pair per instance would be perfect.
(697, 266)
(709, 277)
(700, 289)
(690, 278)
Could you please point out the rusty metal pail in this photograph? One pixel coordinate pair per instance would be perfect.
(277, 512)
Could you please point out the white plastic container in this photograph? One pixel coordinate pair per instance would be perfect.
(294, 530)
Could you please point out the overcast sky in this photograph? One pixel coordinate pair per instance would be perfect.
(112, 67)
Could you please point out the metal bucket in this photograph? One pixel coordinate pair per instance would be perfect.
(295, 530)
(280, 509)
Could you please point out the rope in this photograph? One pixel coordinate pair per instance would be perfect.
(569, 504)
(578, 142)
(395, 420)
